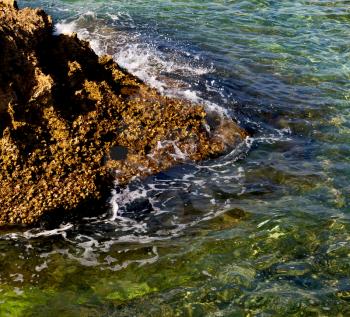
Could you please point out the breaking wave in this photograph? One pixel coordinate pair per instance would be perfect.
(174, 201)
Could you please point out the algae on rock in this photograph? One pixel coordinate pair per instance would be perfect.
(71, 123)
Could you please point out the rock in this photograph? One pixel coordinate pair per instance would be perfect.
(65, 113)
(11, 3)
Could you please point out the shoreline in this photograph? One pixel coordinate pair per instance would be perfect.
(81, 118)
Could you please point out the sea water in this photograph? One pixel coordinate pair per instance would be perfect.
(261, 231)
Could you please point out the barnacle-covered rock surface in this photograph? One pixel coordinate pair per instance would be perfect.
(71, 123)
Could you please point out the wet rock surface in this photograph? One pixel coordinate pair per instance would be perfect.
(72, 123)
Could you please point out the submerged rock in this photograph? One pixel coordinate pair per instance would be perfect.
(72, 123)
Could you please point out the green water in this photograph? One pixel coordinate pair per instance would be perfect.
(262, 231)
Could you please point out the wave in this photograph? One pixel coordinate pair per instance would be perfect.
(154, 209)
(175, 73)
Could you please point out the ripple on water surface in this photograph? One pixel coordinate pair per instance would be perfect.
(260, 231)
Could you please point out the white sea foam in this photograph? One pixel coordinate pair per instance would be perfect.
(41, 267)
(35, 233)
(17, 277)
(141, 57)
(65, 28)
(165, 196)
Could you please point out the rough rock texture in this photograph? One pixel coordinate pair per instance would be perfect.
(71, 123)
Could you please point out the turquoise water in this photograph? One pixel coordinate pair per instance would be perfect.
(261, 231)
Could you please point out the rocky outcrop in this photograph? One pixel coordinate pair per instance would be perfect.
(71, 123)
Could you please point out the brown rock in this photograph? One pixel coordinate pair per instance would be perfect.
(11, 3)
(71, 123)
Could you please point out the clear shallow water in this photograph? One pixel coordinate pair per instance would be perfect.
(262, 231)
